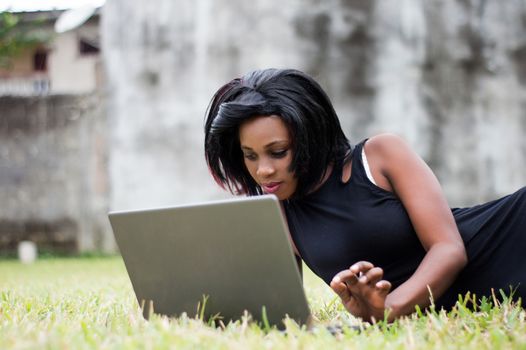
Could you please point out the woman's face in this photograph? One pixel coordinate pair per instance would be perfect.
(267, 152)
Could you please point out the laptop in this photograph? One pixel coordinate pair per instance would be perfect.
(213, 259)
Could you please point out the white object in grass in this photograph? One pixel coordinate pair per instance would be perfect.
(27, 252)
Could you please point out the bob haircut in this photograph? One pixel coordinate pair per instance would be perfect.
(300, 102)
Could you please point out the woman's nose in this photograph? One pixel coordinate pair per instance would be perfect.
(265, 169)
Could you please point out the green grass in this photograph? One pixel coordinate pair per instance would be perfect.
(88, 303)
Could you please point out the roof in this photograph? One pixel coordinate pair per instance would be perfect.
(48, 15)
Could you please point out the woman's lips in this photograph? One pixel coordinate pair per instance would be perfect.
(271, 187)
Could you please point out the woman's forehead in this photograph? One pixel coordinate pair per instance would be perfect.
(263, 130)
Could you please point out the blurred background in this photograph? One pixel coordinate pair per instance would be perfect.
(102, 103)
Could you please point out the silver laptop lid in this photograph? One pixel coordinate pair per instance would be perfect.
(234, 252)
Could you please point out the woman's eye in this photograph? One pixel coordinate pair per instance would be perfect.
(250, 156)
(279, 154)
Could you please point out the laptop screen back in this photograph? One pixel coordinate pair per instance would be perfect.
(235, 253)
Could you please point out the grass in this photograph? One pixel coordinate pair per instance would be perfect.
(88, 303)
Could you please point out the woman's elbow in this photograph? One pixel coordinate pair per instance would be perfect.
(460, 254)
(455, 253)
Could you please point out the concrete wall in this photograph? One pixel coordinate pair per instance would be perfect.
(449, 76)
(53, 173)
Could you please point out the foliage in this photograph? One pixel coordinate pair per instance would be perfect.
(89, 304)
(16, 37)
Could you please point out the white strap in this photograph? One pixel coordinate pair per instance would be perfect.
(366, 167)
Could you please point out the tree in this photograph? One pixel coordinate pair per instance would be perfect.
(16, 36)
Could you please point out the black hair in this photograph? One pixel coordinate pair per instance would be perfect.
(300, 102)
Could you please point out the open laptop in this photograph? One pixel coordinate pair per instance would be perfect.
(234, 253)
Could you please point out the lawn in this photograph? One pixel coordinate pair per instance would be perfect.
(88, 303)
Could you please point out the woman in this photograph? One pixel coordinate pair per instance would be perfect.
(370, 220)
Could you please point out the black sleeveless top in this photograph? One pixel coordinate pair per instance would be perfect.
(342, 223)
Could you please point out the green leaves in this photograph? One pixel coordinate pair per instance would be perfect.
(16, 36)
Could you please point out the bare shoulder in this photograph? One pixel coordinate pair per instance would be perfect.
(386, 143)
(387, 149)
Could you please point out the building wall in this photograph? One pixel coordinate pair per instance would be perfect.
(53, 173)
(53, 148)
(70, 71)
(21, 79)
(447, 76)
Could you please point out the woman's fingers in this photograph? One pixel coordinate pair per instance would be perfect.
(341, 283)
(347, 277)
(372, 276)
(341, 289)
(361, 266)
(361, 278)
(362, 271)
(383, 287)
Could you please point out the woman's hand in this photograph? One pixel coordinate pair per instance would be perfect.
(362, 290)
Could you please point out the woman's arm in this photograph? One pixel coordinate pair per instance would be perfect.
(297, 255)
(299, 262)
(397, 168)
